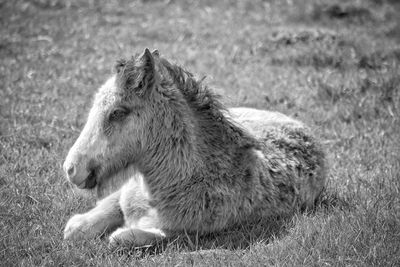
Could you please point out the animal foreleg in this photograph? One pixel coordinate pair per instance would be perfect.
(105, 216)
(144, 232)
(136, 237)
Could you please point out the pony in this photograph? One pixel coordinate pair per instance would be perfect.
(164, 157)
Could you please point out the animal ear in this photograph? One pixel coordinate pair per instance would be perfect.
(138, 74)
(155, 53)
(146, 58)
(147, 77)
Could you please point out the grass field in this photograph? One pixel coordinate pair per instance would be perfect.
(333, 64)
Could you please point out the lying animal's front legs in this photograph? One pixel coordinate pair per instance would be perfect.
(136, 237)
(105, 216)
(142, 223)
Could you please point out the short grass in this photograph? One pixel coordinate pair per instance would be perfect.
(333, 64)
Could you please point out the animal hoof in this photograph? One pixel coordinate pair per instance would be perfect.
(77, 227)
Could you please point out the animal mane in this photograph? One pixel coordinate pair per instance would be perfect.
(204, 102)
(198, 96)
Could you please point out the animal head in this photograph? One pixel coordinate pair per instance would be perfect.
(151, 115)
(123, 122)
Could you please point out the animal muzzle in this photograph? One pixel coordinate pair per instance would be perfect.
(79, 172)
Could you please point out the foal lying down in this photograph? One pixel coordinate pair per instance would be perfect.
(164, 157)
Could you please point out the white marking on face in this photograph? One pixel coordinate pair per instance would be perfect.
(91, 141)
(109, 87)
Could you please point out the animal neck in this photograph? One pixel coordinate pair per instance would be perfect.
(202, 141)
(115, 181)
(206, 147)
(170, 155)
(222, 144)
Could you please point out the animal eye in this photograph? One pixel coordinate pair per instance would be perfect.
(118, 114)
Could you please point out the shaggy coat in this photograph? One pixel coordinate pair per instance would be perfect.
(165, 158)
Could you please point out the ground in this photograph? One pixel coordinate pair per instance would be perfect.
(332, 64)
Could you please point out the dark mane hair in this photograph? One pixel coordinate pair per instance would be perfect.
(198, 96)
(205, 103)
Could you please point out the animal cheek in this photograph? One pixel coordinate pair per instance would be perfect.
(100, 146)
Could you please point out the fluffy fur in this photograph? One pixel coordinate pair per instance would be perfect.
(165, 158)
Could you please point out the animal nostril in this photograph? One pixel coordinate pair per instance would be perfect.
(71, 171)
